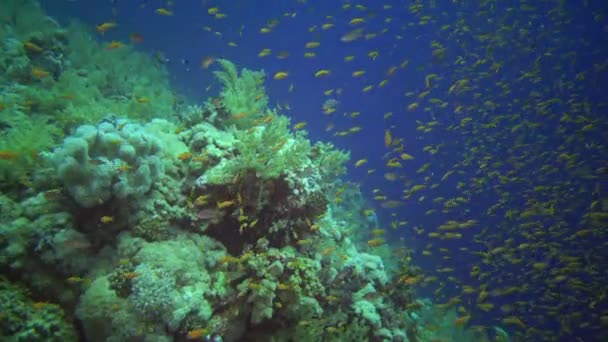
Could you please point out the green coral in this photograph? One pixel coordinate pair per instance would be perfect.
(85, 83)
(329, 161)
(27, 137)
(269, 151)
(119, 81)
(23, 320)
(242, 94)
(23, 17)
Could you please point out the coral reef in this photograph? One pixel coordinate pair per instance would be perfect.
(55, 79)
(218, 220)
(25, 320)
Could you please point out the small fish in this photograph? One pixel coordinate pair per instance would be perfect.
(405, 156)
(75, 280)
(352, 35)
(224, 204)
(393, 163)
(9, 155)
(32, 47)
(229, 259)
(163, 11)
(53, 194)
(39, 73)
(299, 125)
(360, 162)
(184, 156)
(114, 45)
(206, 62)
(102, 28)
(136, 37)
(40, 305)
(201, 200)
(376, 242)
(322, 72)
(378, 232)
(281, 75)
(264, 53)
(106, 219)
(130, 275)
(124, 167)
(196, 333)
(388, 138)
(327, 251)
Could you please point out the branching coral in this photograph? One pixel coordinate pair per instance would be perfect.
(243, 95)
(269, 151)
(26, 137)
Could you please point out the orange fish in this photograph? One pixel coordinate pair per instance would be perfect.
(8, 155)
(136, 37)
(39, 73)
(206, 62)
(388, 138)
(184, 156)
(460, 321)
(40, 305)
(124, 167)
(33, 47)
(196, 333)
(376, 242)
(238, 116)
(409, 280)
(327, 251)
(114, 45)
(130, 275)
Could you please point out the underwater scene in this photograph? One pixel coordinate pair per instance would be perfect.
(303, 170)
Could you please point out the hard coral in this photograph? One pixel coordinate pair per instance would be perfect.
(108, 160)
(24, 320)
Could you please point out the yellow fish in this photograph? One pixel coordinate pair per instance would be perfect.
(388, 138)
(299, 125)
(163, 11)
(360, 162)
(281, 75)
(106, 219)
(224, 204)
(322, 72)
(102, 28)
(264, 53)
